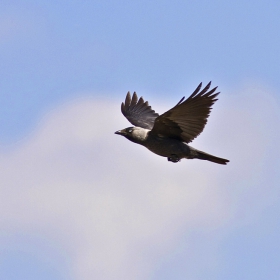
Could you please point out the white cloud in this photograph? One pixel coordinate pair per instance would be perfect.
(116, 207)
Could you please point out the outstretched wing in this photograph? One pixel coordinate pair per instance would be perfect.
(188, 118)
(138, 112)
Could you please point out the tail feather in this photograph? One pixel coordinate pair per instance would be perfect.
(205, 156)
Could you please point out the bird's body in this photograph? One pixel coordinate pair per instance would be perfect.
(160, 145)
(167, 147)
(167, 135)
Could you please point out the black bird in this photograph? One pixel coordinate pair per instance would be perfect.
(167, 135)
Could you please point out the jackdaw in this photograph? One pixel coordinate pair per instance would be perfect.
(167, 135)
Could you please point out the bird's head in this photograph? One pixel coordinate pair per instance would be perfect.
(134, 134)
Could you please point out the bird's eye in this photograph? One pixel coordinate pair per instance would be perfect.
(130, 130)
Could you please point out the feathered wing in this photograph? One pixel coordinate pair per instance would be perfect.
(188, 118)
(138, 112)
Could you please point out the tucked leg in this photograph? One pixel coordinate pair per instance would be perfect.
(173, 158)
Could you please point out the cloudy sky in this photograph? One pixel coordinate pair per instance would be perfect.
(78, 202)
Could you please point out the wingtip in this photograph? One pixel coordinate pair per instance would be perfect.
(128, 95)
(182, 99)
(127, 99)
(208, 85)
(134, 99)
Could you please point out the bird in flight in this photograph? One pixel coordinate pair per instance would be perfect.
(168, 135)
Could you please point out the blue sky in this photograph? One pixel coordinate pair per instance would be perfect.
(52, 51)
(74, 205)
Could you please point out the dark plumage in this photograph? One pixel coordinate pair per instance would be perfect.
(167, 135)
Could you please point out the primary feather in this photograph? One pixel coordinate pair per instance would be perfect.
(188, 118)
(138, 112)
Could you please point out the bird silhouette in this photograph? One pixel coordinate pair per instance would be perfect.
(168, 134)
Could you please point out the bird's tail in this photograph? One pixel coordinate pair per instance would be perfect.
(205, 156)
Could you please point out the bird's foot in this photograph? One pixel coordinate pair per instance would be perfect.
(173, 158)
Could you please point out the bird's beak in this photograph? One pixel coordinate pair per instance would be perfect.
(119, 132)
